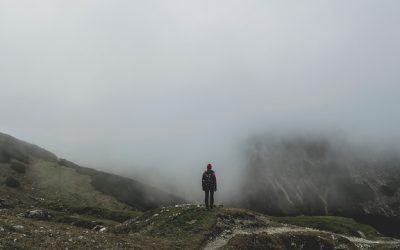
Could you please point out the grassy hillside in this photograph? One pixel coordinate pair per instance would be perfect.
(30, 171)
(46, 184)
(124, 189)
(64, 186)
(13, 148)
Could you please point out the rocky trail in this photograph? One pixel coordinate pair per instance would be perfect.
(261, 225)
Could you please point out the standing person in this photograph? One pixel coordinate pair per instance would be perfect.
(209, 184)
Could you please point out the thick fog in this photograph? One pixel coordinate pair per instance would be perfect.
(155, 90)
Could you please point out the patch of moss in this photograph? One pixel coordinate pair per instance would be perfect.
(78, 222)
(18, 167)
(105, 213)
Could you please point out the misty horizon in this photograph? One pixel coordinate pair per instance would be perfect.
(157, 90)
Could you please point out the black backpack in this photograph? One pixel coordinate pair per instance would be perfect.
(208, 179)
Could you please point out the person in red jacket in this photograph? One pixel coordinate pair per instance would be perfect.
(209, 184)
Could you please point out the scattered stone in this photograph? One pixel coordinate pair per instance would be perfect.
(18, 227)
(12, 182)
(191, 222)
(35, 214)
(99, 228)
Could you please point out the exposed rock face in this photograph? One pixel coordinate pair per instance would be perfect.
(320, 177)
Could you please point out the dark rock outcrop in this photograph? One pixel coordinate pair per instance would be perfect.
(12, 182)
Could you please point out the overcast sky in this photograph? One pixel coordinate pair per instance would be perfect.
(164, 87)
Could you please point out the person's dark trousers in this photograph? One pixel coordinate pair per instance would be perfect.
(209, 195)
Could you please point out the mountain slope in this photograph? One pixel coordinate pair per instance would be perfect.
(12, 148)
(34, 175)
(318, 176)
(125, 189)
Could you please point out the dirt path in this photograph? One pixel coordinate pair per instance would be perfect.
(222, 239)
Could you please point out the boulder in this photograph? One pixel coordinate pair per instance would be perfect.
(99, 228)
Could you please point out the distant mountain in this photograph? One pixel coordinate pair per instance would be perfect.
(30, 172)
(319, 176)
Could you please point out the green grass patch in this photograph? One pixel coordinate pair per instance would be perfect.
(187, 221)
(187, 226)
(64, 187)
(340, 225)
(108, 214)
